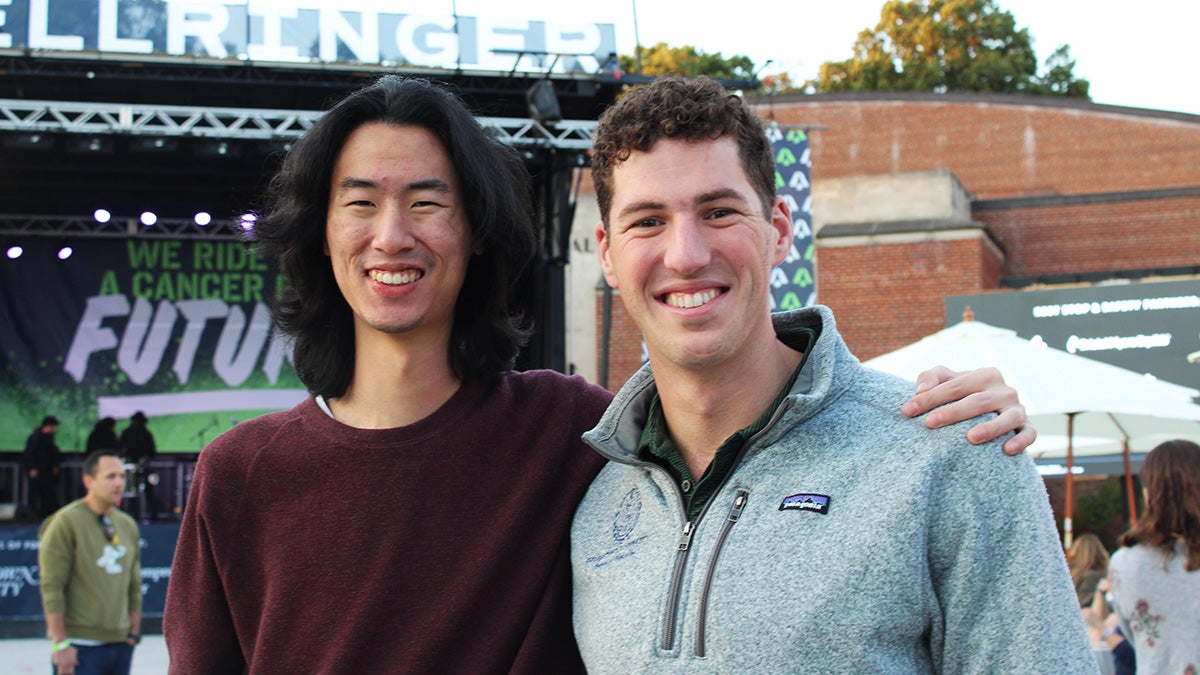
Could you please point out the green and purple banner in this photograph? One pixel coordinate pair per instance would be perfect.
(793, 282)
(176, 328)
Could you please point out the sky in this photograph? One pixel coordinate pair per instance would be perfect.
(1138, 54)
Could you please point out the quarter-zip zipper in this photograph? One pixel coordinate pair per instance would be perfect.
(681, 552)
(735, 512)
(689, 528)
(685, 539)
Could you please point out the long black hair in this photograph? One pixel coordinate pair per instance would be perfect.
(486, 335)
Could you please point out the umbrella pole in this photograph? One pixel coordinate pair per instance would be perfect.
(1129, 488)
(1067, 528)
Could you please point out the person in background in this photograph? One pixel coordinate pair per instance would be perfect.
(103, 436)
(139, 448)
(137, 442)
(91, 583)
(1155, 575)
(413, 514)
(1088, 562)
(1114, 652)
(42, 459)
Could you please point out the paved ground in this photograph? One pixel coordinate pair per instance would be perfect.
(22, 656)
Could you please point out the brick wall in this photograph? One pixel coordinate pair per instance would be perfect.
(999, 146)
(888, 295)
(1098, 237)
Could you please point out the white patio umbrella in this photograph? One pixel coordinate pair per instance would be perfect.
(1079, 405)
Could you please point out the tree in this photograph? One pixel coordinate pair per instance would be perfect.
(688, 61)
(949, 46)
(1060, 75)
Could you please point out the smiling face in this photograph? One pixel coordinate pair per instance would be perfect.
(691, 251)
(396, 232)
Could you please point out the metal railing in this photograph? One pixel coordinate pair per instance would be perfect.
(169, 492)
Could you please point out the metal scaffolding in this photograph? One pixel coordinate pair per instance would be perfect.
(140, 119)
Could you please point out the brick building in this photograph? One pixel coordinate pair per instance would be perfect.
(921, 196)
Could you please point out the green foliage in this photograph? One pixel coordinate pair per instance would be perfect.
(1102, 512)
(1059, 77)
(688, 61)
(949, 46)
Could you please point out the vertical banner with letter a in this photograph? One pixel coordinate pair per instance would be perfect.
(793, 282)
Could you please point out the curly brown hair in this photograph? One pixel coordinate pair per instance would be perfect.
(1171, 476)
(684, 109)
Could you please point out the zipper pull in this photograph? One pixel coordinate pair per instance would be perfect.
(739, 503)
(685, 539)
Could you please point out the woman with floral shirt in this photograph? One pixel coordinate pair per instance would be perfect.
(1155, 576)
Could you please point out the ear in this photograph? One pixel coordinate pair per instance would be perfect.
(781, 224)
(605, 261)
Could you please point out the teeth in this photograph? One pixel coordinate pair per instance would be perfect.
(395, 278)
(690, 300)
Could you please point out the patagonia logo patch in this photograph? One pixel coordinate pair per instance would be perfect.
(806, 502)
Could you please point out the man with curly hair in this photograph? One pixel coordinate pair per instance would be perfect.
(766, 508)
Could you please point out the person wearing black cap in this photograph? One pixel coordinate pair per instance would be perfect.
(41, 460)
(137, 445)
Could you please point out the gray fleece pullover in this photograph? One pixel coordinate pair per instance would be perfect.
(847, 539)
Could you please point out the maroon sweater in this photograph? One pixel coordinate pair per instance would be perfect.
(309, 546)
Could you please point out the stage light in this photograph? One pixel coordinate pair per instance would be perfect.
(29, 141)
(65, 252)
(90, 145)
(157, 144)
(217, 149)
(247, 221)
(15, 252)
(102, 216)
(202, 219)
(148, 218)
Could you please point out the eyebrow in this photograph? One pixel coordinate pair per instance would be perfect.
(635, 207)
(703, 198)
(352, 183)
(722, 193)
